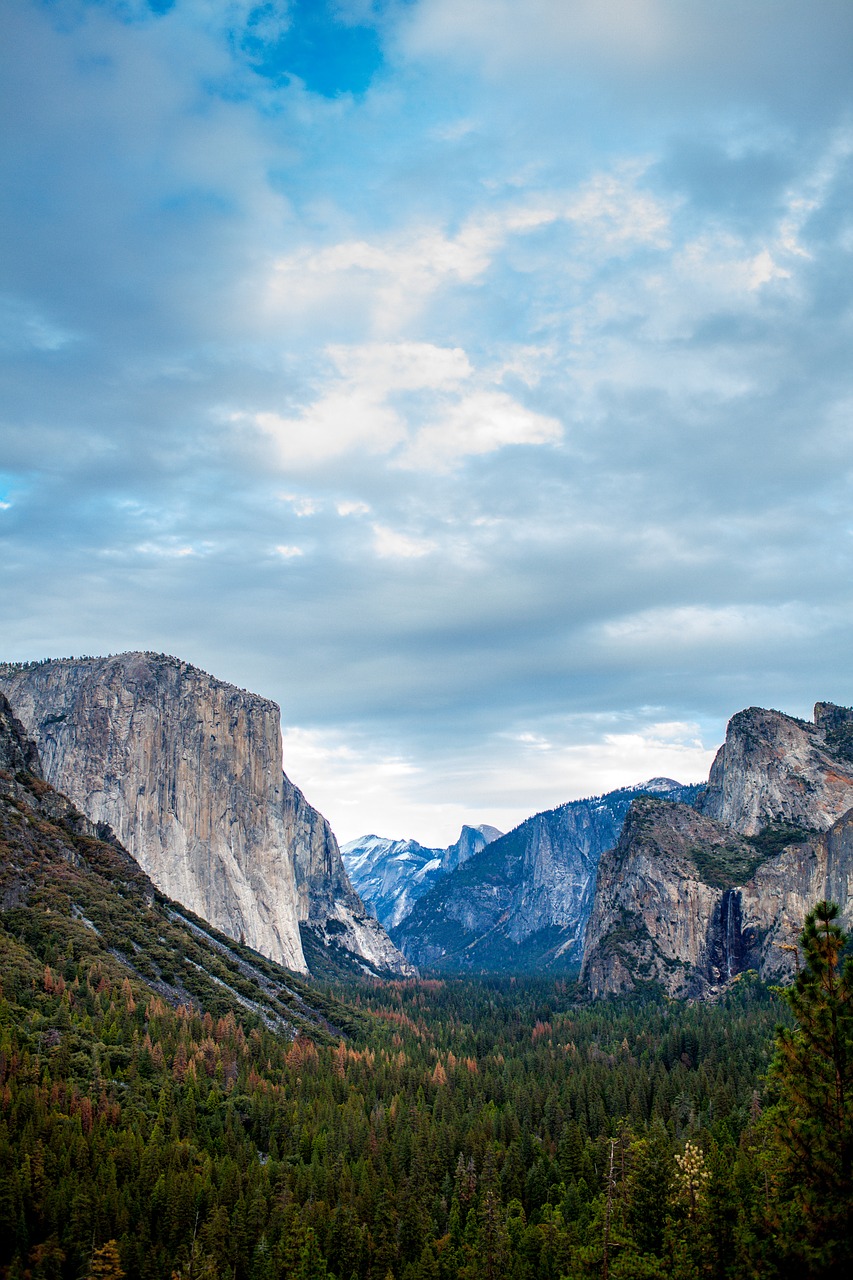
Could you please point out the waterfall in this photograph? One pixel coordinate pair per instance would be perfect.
(730, 932)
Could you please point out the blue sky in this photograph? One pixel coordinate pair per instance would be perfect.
(474, 378)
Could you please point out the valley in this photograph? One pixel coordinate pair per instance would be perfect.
(174, 1102)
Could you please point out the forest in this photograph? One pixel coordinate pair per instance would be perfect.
(461, 1130)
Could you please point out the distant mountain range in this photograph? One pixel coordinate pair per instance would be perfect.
(391, 875)
(517, 902)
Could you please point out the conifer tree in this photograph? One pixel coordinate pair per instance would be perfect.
(106, 1263)
(812, 1121)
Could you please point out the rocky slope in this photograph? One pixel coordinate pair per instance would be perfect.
(689, 901)
(391, 875)
(69, 889)
(187, 771)
(775, 768)
(523, 902)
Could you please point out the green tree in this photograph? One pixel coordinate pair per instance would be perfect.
(312, 1265)
(650, 1185)
(812, 1121)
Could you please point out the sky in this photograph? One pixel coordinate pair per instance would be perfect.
(472, 377)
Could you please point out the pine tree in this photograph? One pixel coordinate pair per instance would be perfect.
(812, 1121)
(106, 1263)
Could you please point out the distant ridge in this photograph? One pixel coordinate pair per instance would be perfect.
(523, 901)
(391, 875)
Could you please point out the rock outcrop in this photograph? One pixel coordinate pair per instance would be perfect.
(391, 875)
(688, 904)
(658, 914)
(186, 770)
(690, 899)
(523, 902)
(775, 768)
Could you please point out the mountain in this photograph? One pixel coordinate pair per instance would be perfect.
(390, 875)
(71, 895)
(689, 899)
(186, 770)
(523, 902)
(773, 767)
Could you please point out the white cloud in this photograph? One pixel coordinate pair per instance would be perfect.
(168, 551)
(553, 771)
(505, 33)
(393, 278)
(288, 552)
(615, 217)
(361, 410)
(343, 420)
(300, 504)
(809, 195)
(390, 544)
(476, 424)
(22, 326)
(363, 788)
(674, 629)
(402, 366)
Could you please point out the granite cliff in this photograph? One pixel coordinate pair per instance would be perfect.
(69, 889)
(186, 770)
(391, 875)
(690, 898)
(522, 902)
(775, 768)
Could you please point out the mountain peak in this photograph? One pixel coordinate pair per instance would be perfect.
(656, 785)
(774, 767)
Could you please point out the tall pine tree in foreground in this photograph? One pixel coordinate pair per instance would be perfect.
(812, 1121)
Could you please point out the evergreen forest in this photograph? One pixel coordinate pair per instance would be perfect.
(460, 1130)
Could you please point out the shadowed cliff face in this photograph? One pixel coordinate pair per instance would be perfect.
(187, 771)
(17, 752)
(773, 768)
(688, 903)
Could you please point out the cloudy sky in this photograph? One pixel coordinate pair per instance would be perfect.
(473, 377)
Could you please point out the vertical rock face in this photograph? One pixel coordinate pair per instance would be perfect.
(774, 768)
(691, 899)
(688, 904)
(18, 753)
(187, 771)
(663, 911)
(784, 887)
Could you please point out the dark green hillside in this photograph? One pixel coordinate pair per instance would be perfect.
(71, 899)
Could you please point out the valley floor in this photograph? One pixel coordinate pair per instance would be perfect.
(463, 1129)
